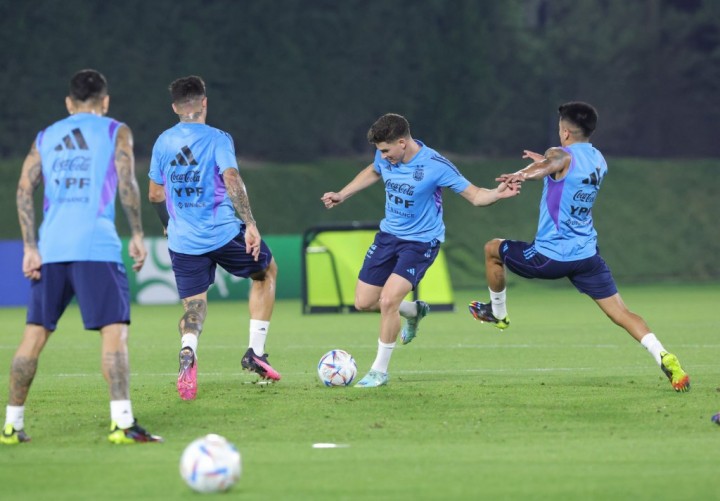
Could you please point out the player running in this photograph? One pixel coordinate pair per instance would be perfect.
(566, 241)
(195, 186)
(82, 160)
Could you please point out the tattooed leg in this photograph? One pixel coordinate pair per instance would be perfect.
(195, 313)
(25, 363)
(115, 361)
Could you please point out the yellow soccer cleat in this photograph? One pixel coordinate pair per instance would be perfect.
(133, 435)
(671, 367)
(483, 312)
(11, 436)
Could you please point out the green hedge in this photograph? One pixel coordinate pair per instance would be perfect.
(656, 219)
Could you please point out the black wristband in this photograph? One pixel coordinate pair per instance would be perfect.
(162, 212)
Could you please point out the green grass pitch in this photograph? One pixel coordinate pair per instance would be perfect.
(562, 405)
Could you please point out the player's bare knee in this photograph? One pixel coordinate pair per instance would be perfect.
(269, 273)
(492, 248)
(363, 305)
(259, 276)
(387, 306)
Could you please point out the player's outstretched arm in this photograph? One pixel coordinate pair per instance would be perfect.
(555, 160)
(30, 177)
(238, 195)
(365, 178)
(130, 194)
(481, 197)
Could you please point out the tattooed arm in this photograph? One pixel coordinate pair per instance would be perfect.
(29, 180)
(130, 193)
(238, 194)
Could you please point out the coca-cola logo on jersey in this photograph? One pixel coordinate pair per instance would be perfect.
(191, 176)
(402, 188)
(72, 164)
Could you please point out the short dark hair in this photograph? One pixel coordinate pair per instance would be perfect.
(187, 89)
(388, 128)
(87, 85)
(583, 115)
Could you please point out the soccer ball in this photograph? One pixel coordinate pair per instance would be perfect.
(337, 368)
(210, 464)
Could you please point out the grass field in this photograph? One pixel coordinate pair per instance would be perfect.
(563, 405)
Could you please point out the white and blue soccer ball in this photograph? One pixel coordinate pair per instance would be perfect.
(210, 464)
(337, 368)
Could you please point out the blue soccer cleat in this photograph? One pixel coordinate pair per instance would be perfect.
(410, 328)
(373, 379)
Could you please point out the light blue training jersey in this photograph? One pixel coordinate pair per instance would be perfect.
(188, 160)
(413, 194)
(78, 167)
(565, 227)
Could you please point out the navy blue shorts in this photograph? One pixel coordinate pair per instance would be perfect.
(590, 276)
(101, 289)
(195, 274)
(389, 254)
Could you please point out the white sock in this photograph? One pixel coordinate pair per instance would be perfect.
(651, 344)
(408, 309)
(121, 413)
(190, 341)
(258, 334)
(382, 360)
(497, 299)
(15, 415)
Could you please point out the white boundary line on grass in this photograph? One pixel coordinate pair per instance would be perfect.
(478, 370)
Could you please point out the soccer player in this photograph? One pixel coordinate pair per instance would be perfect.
(566, 241)
(411, 232)
(82, 160)
(195, 187)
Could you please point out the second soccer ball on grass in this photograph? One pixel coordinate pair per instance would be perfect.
(210, 464)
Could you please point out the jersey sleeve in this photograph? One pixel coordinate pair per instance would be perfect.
(450, 177)
(156, 174)
(378, 162)
(225, 152)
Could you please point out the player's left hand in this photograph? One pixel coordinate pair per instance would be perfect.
(252, 241)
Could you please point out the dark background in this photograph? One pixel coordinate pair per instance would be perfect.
(297, 83)
(296, 80)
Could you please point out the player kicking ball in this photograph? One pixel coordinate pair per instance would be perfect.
(411, 233)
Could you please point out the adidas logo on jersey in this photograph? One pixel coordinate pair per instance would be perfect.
(184, 157)
(79, 142)
(411, 271)
(594, 179)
